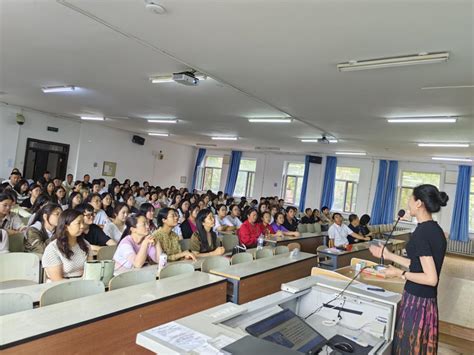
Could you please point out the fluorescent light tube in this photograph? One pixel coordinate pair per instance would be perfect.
(270, 120)
(333, 140)
(92, 118)
(162, 79)
(159, 134)
(422, 58)
(446, 145)
(49, 89)
(224, 138)
(163, 120)
(318, 140)
(422, 120)
(351, 153)
(452, 159)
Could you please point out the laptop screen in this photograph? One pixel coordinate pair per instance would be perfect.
(287, 329)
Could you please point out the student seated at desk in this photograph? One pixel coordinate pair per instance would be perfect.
(325, 216)
(308, 217)
(266, 227)
(278, 225)
(364, 226)
(339, 232)
(35, 191)
(100, 217)
(250, 229)
(233, 218)
(137, 246)
(8, 221)
(355, 226)
(65, 255)
(148, 211)
(75, 199)
(167, 220)
(188, 227)
(116, 227)
(291, 222)
(40, 232)
(92, 232)
(317, 216)
(204, 240)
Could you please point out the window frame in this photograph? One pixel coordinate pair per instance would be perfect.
(346, 183)
(204, 170)
(249, 179)
(297, 182)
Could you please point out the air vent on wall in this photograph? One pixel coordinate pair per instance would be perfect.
(267, 148)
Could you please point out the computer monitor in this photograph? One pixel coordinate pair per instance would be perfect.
(287, 329)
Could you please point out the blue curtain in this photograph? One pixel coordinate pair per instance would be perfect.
(390, 193)
(305, 183)
(377, 206)
(200, 157)
(327, 196)
(233, 172)
(460, 220)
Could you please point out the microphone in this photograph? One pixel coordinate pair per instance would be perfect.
(400, 214)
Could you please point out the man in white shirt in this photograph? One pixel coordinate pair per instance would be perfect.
(68, 184)
(234, 218)
(338, 232)
(15, 177)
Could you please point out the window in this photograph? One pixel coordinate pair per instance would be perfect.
(409, 180)
(292, 181)
(345, 189)
(209, 176)
(471, 207)
(245, 178)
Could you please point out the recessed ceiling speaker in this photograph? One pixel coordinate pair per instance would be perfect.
(154, 7)
(138, 140)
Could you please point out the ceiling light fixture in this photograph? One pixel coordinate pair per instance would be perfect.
(159, 134)
(270, 120)
(162, 79)
(422, 58)
(351, 153)
(452, 159)
(422, 120)
(163, 120)
(319, 140)
(92, 118)
(224, 138)
(49, 89)
(448, 87)
(446, 145)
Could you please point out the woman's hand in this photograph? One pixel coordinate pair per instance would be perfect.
(148, 240)
(189, 256)
(219, 251)
(392, 271)
(376, 251)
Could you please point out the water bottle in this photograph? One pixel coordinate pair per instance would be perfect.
(260, 242)
(163, 261)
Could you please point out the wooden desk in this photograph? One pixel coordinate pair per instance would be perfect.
(308, 241)
(399, 235)
(109, 322)
(258, 278)
(394, 284)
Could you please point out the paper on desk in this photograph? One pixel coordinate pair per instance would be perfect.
(180, 336)
(364, 287)
(333, 250)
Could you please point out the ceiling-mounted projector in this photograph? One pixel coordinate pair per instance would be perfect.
(186, 78)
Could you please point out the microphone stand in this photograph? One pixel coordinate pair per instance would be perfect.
(382, 260)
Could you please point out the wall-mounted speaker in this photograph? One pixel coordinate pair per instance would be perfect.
(138, 140)
(315, 160)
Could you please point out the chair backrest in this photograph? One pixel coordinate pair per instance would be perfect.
(14, 302)
(281, 249)
(16, 243)
(71, 290)
(107, 252)
(264, 253)
(173, 269)
(302, 228)
(19, 266)
(241, 258)
(295, 245)
(214, 263)
(355, 261)
(321, 247)
(316, 271)
(131, 278)
(310, 228)
(185, 244)
(229, 241)
(317, 227)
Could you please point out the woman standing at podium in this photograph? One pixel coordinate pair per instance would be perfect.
(417, 320)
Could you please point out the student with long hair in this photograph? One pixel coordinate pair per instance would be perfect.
(95, 201)
(115, 228)
(34, 191)
(39, 234)
(137, 246)
(21, 189)
(222, 226)
(107, 203)
(60, 196)
(75, 199)
(167, 220)
(183, 210)
(9, 221)
(91, 231)
(129, 199)
(416, 330)
(204, 240)
(65, 255)
(39, 203)
(188, 227)
(48, 189)
(278, 225)
(148, 211)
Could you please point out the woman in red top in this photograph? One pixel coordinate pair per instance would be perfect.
(267, 229)
(250, 230)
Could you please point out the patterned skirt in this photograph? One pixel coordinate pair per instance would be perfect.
(416, 331)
